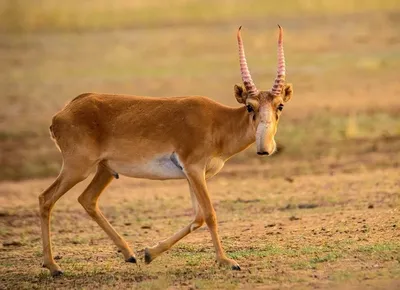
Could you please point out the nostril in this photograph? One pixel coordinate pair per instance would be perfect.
(263, 153)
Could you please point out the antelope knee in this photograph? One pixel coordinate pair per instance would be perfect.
(211, 219)
(87, 205)
(196, 224)
(44, 206)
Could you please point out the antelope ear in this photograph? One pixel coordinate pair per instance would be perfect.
(240, 94)
(287, 93)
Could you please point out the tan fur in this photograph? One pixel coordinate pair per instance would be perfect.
(156, 138)
(120, 127)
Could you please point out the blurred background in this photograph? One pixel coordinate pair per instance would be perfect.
(343, 58)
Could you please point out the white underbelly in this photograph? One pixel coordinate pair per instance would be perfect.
(159, 168)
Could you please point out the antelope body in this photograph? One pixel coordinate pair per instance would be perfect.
(159, 138)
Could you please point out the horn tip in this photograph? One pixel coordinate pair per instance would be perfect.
(238, 32)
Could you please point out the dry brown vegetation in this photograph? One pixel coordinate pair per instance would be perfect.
(323, 212)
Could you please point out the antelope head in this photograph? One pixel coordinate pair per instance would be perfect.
(264, 107)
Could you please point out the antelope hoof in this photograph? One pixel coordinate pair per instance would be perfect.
(55, 270)
(236, 267)
(131, 260)
(57, 273)
(147, 256)
(229, 263)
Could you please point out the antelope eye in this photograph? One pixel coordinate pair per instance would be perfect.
(250, 108)
(280, 107)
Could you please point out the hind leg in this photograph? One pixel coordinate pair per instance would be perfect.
(69, 176)
(89, 200)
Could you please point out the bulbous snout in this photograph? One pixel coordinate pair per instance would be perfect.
(265, 139)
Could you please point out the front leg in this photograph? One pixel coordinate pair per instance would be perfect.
(196, 178)
(151, 253)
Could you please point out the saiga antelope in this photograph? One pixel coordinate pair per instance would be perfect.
(160, 138)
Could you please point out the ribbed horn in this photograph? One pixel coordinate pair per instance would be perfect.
(244, 70)
(281, 72)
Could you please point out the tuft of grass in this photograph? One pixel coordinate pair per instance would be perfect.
(330, 257)
(380, 248)
(383, 251)
(302, 265)
(270, 250)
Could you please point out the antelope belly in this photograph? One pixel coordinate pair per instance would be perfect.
(159, 168)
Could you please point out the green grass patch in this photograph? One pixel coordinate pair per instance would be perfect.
(380, 248)
(270, 250)
(381, 251)
(302, 265)
(330, 257)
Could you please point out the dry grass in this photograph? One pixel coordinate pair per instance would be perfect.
(323, 213)
(74, 15)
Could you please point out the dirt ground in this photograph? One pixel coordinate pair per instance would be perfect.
(321, 213)
(310, 231)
